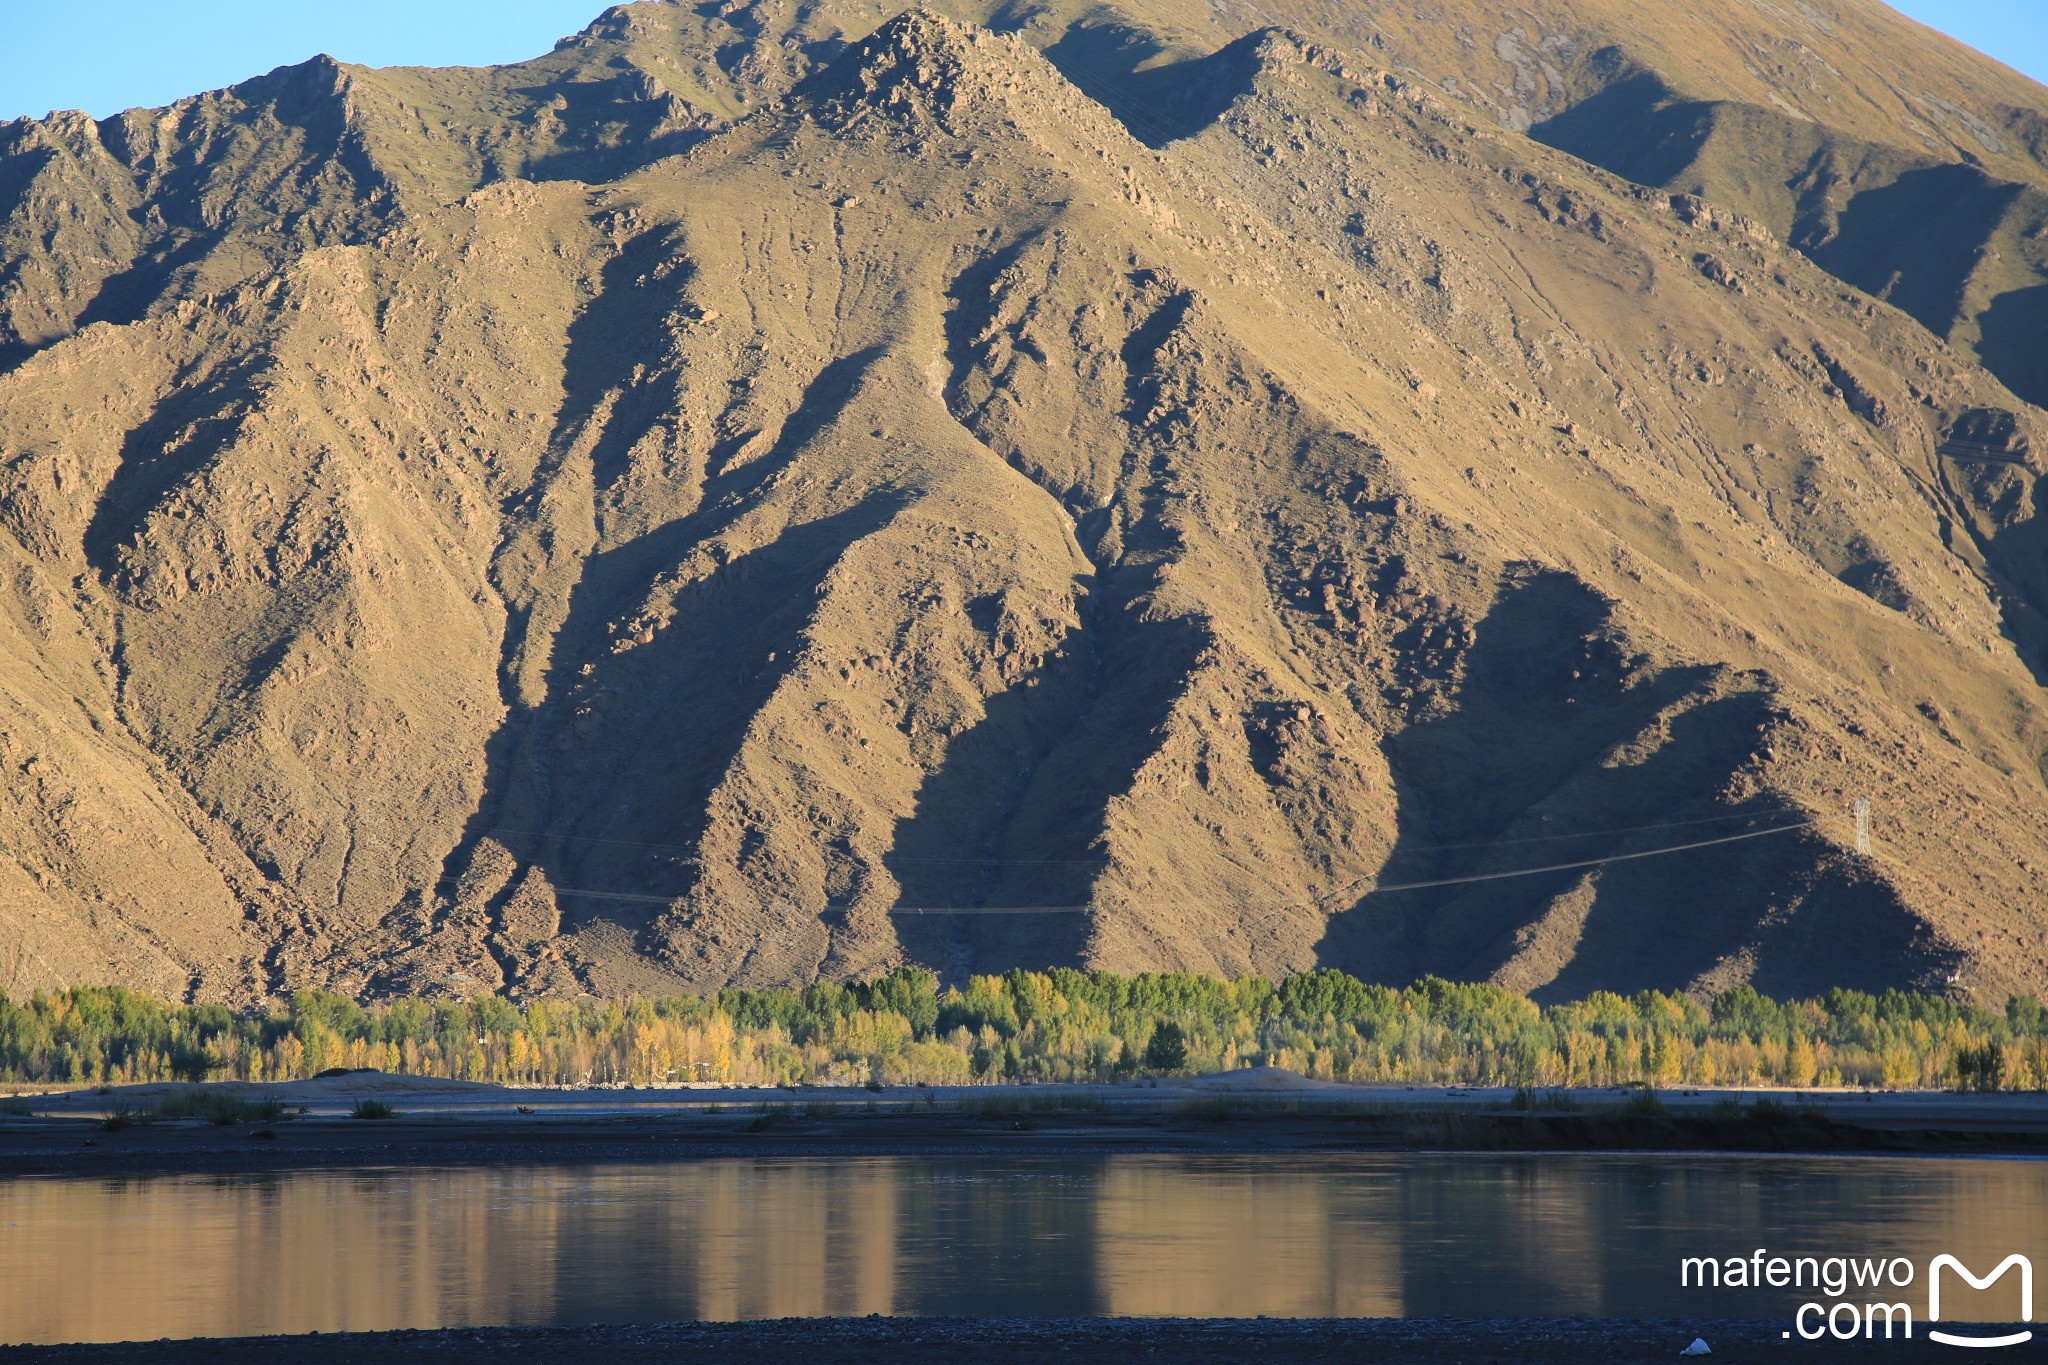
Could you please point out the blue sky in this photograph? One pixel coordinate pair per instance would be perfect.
(104, 56)
(108, 55)
(2014, 31)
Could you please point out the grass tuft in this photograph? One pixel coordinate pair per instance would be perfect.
(1005, 1106)
(219, 1108)
(1558, 1101)
(123, 1117)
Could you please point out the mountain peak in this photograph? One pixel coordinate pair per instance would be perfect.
(318, 75)
(923, 65)
(1333, 535)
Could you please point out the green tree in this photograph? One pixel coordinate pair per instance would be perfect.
(1167, 1050)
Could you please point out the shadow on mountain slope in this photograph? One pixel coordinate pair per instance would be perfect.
(947, 853)
(1021, 801)
(1159, 103)
(179, 439)
(1875, 217)
(1914, 242)
(1790, 915)
(1563, 751)
(127, 295)
(666, 712)
(2013, 341)
(668, 716)
(1634, 125)
(622, 332)
(608, 128)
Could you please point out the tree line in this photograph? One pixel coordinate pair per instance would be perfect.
(1058, 1025)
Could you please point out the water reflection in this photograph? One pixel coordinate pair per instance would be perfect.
(1119, 1235)
(1232, 1240)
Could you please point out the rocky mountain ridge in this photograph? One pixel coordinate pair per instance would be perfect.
(720, 501)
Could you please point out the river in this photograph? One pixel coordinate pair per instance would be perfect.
(98, 1259)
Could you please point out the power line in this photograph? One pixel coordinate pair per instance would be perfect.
(616, 896)
(921, 910)
(887, 858)
(642, 898)
(1587, 862)
(1270, 911)
(891, 859)
(1406, 886)
(1624, 829)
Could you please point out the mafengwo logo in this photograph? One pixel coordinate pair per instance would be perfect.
(1864, 1302)
(2012, 1262)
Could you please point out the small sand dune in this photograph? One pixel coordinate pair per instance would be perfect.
(327, 1090)
(1261, 1079)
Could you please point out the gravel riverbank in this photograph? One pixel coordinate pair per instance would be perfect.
(308, 1124)
(892, 1341)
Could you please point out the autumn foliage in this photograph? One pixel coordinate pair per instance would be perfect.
(1060, 1025)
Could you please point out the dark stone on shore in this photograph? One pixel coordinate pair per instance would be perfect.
(889, 1341)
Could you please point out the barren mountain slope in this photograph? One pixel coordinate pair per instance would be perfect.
(717, 502)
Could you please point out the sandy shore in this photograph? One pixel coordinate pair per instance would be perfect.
(1255, 1089)
(890, 1341)
(451, 1122)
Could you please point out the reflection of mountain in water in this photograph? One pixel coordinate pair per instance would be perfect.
(993, 1237)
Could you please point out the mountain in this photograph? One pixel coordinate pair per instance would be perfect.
(1193, 486)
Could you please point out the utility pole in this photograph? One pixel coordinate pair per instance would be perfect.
(1861, 810)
